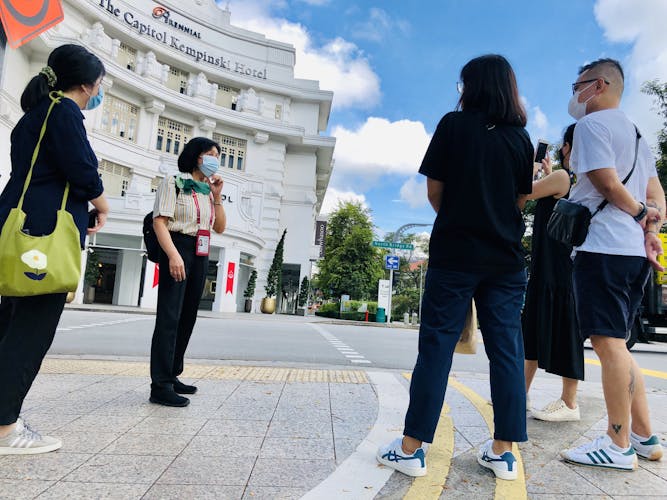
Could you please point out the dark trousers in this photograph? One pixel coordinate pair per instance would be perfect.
(498, 299)
(27, 328)
(177, 306)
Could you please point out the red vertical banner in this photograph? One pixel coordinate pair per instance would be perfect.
(23, 20)
(156, 275)
(231, 271)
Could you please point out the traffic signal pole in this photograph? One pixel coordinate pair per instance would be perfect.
(391, 285)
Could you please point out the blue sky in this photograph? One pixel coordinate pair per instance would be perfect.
(393, 66)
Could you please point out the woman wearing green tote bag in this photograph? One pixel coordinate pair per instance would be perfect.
(54, 176)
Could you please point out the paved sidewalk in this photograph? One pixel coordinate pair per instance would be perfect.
(284, 433)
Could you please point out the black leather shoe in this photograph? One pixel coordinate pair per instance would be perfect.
(167, 397)
(182, 388)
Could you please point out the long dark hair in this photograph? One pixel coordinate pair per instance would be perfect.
(568, 137)
(73, 65)
(489, 85)
(187, 160)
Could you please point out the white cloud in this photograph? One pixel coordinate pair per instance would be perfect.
(316, 2)
(381, 147)
(413, 193)
(642, 24)
(333, 196)
(379, 25)
(339, 65)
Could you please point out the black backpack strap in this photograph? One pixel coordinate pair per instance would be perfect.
(627, 177)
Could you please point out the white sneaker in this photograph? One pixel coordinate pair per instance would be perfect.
(599, 453)
(392, 455)
(557, 411)
(503, 466)
(25, 441)
(650, 449)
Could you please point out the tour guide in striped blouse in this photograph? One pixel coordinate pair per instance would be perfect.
(186, 208)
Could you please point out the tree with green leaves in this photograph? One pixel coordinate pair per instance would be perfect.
(659, 91)
(250, 288)
(303, 292)
(274, 279)
(350, 264)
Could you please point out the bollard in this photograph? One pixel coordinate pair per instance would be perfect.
(366, 319)
(415, 318)
(406, 318)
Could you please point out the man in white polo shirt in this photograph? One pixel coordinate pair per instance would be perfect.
(612, 266)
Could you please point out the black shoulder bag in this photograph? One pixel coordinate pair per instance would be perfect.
(569, 221)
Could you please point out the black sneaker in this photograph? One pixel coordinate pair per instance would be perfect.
(167, 397)
(182, 388)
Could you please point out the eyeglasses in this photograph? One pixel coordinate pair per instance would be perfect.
(576, 84)
(459, 87)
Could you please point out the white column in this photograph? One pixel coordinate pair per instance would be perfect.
(226, 289)
(128, 271)
(149, 293)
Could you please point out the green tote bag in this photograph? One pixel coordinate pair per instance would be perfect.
(39, 265)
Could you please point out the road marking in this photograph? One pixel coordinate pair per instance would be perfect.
(360, 477)
(350, 354)
(439, 456)
(515, 490)
(645, 371)
(106, 323)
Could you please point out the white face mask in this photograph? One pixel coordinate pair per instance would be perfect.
(577, 109)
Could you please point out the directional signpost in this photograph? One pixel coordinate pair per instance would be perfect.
(391, 262)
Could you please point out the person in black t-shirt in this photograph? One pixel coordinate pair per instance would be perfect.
(479, 162)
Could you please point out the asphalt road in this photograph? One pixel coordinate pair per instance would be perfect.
(286, 341)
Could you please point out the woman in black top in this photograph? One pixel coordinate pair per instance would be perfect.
(477, 165)
(28, 324)
(550, 335)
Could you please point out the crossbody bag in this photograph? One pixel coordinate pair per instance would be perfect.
(570, 221)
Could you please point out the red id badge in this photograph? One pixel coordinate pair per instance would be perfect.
(203, 242)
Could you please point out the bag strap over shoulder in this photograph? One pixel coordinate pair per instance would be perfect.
(56, 97)
(627, 177)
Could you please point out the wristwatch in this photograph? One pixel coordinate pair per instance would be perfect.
(642, 212)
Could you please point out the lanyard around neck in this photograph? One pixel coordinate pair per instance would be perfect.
(194, 195)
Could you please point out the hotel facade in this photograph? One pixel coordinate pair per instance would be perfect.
(177, 70)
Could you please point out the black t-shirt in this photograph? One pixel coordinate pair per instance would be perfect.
(483, 168)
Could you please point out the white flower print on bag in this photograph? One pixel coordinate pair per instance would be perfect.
(35, 260)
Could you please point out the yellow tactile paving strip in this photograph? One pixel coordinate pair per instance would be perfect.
(196, 371)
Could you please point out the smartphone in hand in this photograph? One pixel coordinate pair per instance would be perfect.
(92, 218)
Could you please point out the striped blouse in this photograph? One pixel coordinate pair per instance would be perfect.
(181, 209)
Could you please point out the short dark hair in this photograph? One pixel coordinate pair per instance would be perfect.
(188, 159)
(73, 65)
(489, 85)
(606, 61)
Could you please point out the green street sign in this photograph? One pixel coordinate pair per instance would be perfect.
(389, 244)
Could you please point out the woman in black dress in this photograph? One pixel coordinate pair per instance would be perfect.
(550, 335)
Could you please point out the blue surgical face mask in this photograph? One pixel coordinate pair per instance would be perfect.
(95, 100)
(209, 165)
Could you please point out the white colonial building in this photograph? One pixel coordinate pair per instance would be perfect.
(176, 70)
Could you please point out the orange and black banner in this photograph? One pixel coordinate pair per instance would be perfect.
(23, 20)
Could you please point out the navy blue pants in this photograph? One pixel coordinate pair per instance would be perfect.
(498, 299)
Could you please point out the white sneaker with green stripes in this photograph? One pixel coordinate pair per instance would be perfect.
(599, 453)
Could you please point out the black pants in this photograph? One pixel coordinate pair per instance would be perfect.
(27, 328)
(177, 306)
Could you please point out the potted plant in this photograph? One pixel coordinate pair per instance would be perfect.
(250, 291)
(303, 296)
(90, 277)
(273, 280)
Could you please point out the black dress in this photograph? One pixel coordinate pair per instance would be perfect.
(550, 333)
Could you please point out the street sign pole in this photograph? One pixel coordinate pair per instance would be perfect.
(391, 284)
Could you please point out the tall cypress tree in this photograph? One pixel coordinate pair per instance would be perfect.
(274, 279)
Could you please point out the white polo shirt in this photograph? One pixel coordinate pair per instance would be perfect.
(606, 139)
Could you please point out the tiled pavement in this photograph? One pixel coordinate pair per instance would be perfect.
(276, 433)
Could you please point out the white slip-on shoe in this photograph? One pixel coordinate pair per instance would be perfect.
(557, 411)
